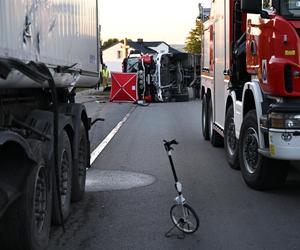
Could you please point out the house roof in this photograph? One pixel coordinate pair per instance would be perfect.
(144, 47)
(141, 47)
(157, 43)
(154, 44)
(174, 51)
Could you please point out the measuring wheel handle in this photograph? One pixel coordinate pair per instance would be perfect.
(168, 144)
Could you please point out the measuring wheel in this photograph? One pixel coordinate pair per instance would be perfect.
(184, 218)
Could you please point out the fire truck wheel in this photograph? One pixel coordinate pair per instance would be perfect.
(230, 140)
(259, 172)
(27, 223)
(205, 131)
(65, 181)
(79, 170)
(215, 138)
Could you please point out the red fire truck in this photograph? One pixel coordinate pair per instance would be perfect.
(251, 86)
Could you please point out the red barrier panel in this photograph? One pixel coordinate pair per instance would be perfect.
(123, 87)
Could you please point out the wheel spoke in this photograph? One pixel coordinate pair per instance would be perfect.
(231, 142)
(190, 224)
(184, 218)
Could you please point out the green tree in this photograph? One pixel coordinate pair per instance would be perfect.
(193, 41)
(109, 43)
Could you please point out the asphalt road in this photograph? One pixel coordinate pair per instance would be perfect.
(130, 189)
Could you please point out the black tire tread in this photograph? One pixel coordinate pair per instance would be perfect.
(271, 173)
(56, 219)
(233, 161)
(205, 128)
(77, 190)
(16, 230)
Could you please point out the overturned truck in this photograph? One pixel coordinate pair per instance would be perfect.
(47, 50)
(165, 77)
(175, 74)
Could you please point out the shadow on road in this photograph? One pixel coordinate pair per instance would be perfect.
(292, 185)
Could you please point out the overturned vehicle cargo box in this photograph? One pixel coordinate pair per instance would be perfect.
(61, 34)
(175, 73)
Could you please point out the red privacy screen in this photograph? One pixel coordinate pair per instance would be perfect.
(123, 87)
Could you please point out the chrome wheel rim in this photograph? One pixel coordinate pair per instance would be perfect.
(184, 219)
(231, 140)
(250, 150)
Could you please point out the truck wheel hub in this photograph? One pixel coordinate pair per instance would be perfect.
(231, 139)
(250, 152)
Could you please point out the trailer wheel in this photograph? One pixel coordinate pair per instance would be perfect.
(205, 124)
(215, 138)
(230, 140)
(26, 226)
(259, 172)
(79, 170)
(65, 181)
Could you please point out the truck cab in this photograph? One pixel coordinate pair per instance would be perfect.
(250, 86)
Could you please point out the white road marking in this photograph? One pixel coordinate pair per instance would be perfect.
(108, 138)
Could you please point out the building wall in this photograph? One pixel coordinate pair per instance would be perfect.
(113, 58)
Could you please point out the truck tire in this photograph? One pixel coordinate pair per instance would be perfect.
(79, 170)
(26, 225)
(230, 140)
(259, 172)
(215, 138)
(65, 180)
(205, 124)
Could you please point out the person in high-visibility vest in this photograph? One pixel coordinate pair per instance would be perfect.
(105, 76)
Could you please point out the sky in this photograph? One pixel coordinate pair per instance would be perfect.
(151, 20)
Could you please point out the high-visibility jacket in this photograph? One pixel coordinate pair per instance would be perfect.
(105, 73)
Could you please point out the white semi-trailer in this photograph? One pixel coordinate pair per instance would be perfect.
(47, 49)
